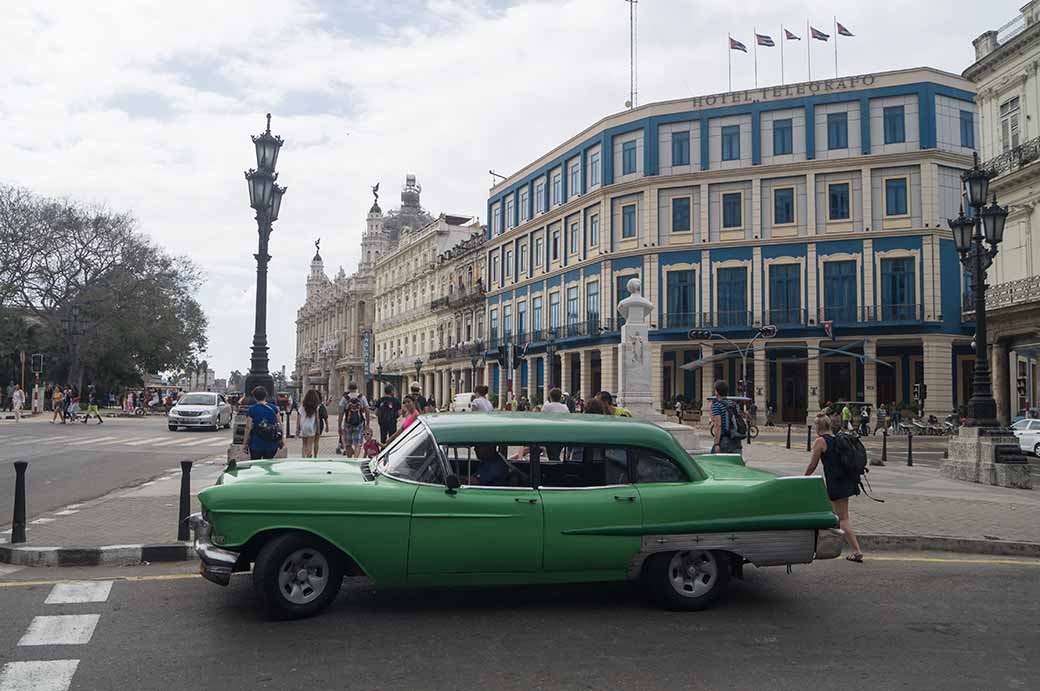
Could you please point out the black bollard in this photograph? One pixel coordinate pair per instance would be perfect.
(18, 524)
(910, 448)
(183, 530)
(788, 435)
(884, 446)
(808, 438)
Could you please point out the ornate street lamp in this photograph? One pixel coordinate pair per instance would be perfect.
(767, 331)
(987, 223)
(418, 368)
(265, 197)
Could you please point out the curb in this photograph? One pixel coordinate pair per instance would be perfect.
(109, 555)
(942, 543)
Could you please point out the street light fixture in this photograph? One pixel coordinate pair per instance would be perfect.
(985, 225)
(767, 331)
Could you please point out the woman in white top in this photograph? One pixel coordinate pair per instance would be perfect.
(307, 425)
(480, 402)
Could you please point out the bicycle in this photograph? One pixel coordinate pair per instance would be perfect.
(752, 429)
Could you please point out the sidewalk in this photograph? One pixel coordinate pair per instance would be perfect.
(919, 502)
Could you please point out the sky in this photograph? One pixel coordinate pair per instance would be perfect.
(147, 106)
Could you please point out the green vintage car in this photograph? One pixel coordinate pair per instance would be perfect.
(508, 498)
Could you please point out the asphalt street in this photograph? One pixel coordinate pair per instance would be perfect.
(896, 621)
(75, 462)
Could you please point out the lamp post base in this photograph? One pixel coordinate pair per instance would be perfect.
(987, 456)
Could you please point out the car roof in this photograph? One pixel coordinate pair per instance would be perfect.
(522, 428)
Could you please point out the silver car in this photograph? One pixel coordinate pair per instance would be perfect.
(1028, 433)
(201, 409)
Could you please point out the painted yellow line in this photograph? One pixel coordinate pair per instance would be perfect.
(937, 560)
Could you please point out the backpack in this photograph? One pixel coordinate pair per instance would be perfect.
(852, 456)
(736, 425)
(354, 416)
(387, 412)
(267, 430)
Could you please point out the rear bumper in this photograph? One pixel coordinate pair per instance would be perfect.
(216, 565)
(829, 543)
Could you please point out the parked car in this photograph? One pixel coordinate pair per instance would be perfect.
(460, 403)
(1028, 433)
(200, 409)
(584, 498)
(1026, 414)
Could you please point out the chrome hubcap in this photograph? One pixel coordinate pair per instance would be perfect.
(303, 576)
(693, 574)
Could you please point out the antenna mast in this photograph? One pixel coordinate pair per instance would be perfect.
(633, 53)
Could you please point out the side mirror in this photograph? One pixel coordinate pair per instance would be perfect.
(452, 483)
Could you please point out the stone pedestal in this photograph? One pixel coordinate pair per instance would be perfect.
(987, 456)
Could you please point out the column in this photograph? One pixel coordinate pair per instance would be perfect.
(757, 278)
(585, 391)
(761, 390)
(867, 195)
(657, 375)
(707, 379)
(547, 382)
(870, 301)
(608, 368)
(515, 389)
(503, 374)
(438, 386)
(813, 387)
(870, 372)
(938, 359)
(532, 376)
(565, 371)
(810, 198)
(487, 376)
(812, 313)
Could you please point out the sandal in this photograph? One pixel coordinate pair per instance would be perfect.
(856, 557)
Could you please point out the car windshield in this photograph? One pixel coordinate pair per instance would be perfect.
(198, 399)
(413, 457)
(1021, 424)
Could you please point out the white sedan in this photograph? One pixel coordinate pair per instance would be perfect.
(202, 409)
(1028, 433)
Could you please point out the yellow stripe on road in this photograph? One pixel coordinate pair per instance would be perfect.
(939, 560)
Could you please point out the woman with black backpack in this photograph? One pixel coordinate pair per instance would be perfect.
(840, 483)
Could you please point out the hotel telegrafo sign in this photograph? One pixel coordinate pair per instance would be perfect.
(770, 93)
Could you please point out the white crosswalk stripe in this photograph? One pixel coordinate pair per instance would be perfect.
(90, 441)
(141, 442)
(60, 629)
(199, 441)
(219, 442)
(172, 442)
(38, 675)
(118, 440)
(78, 592)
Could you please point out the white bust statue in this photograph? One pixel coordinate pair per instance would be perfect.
(635, 308)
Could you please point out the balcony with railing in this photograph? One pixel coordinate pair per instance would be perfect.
(457, 351)
(875, 314)
(1005, 295)
(1015, 158)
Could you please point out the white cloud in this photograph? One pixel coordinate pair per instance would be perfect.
(443, 88)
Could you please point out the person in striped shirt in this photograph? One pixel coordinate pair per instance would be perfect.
(720, 420)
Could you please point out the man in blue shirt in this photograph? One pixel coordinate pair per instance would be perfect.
(720, 420)
(262, 416)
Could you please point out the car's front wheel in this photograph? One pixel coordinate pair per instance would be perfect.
(173, 428)
(297, 575)
(688, 580)
(1036, 449)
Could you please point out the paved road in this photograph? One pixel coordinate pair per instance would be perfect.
(73, 462)
(901, 622)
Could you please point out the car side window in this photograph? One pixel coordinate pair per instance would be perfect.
(651, 466)
(415, 458)
(1034, 425)
(1020, 425)
(583, 466)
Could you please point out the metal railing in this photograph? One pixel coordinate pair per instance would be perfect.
(873, 314)
(1014, 158)
(791, 316)
(1009, 294)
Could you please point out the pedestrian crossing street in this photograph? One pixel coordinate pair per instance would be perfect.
(68, 439)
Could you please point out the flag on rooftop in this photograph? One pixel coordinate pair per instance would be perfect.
(842, 31)
(791, 37)
(764, 40)
(734, 44)
(817, 34)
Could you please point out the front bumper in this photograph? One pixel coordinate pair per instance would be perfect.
(829, 543)
(192, 421)
(216, 564)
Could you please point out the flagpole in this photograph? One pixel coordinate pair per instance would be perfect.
(808, 48)
(729, 59)
(782, 40)
(754, 30)
(835, 46)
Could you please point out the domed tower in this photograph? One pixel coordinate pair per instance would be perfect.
(317, 275)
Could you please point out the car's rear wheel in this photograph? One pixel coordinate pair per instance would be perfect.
(297, 575)
(688, 580)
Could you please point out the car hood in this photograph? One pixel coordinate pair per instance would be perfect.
(296, 471)
(195, 408)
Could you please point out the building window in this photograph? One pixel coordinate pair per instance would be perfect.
(785, 294)
(967, 129)
(783, 206)
(575, 183)
(895, 197)
(572, 306)
(680, 148)
(594, 230)
(507, 321)
(493, 323)
(592, 301)
(732, 210)
(783, 137)
(1009, 132)
(497, 221)
(557, 189)
(628, 158)
(494, 268)
(628, 221)
(838, 201)
(837, 130)
(731, 143)
(555, 245)
(523, 258)
(521, 318)
(594, 169)
(524, 200)
(539, 198)
(732, 287)
(536, 313)
(895, 132)
(680, 296)
(509, 213)
(681, 215)
(622, 287)
(839, 287)
(554, 310)
(539, 251)
(575, 238)
(507, 263)
(898, 289)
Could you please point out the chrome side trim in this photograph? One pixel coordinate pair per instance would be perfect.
(761, 548)
(829, 543)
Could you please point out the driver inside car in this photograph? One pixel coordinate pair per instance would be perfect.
(493, 469)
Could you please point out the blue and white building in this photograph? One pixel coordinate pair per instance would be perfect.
(787, 205)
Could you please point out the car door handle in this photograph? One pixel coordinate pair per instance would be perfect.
(620, 498)
(521, 500)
